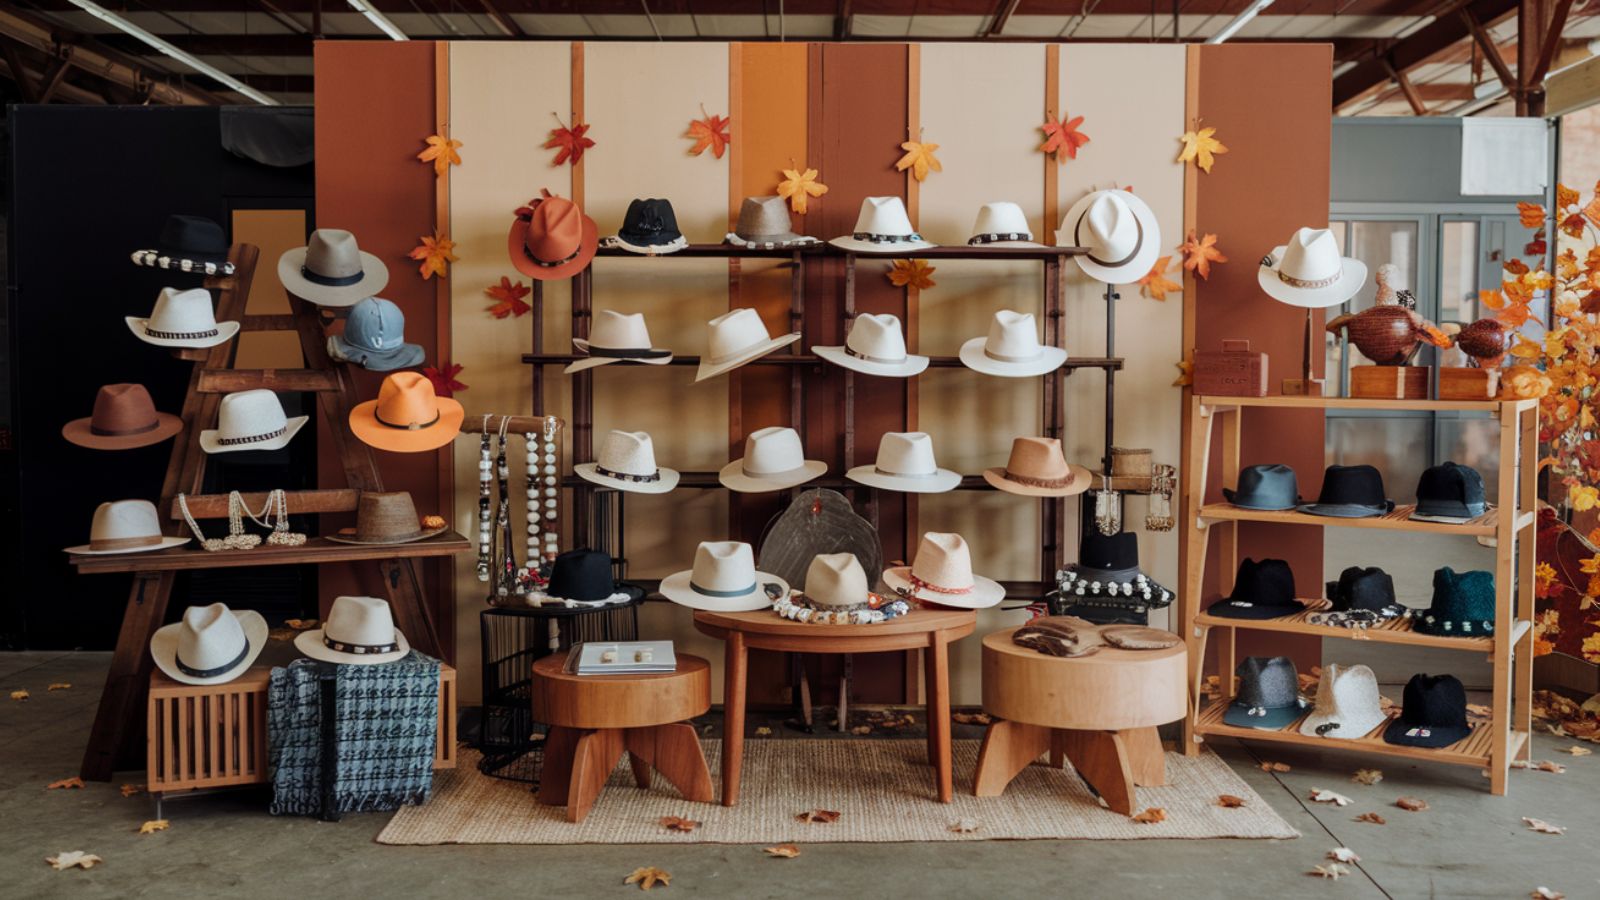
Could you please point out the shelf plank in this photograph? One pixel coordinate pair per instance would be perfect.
(823, 248)
(315, 551)
(1393, 631)
(1396, 520)
(696, 481)
(806, 359)
(1298, 402)
(1472, 750)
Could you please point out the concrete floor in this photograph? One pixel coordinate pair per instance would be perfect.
(1467, 845)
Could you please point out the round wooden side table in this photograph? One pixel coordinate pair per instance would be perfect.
(1099, 712)
(593, 718)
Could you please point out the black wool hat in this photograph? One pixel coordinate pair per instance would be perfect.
(1450, 492)
(188, 244)
(585, 576)
(1433, 713)
(1350, 492)
(1108, 556)
(650, 226)
(1361, 597)
(1261, 590)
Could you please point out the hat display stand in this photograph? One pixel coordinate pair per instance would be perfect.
(116, 738)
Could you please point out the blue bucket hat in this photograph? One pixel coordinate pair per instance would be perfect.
(374, 338)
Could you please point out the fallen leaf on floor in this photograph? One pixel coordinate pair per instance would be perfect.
(154, 825)
(1373, 818)
(1478, 711)
(965, 826)
(763, 731)
(1229, 801)
(1384, 703)
(1575, 750)
(1543, 827)
(1411, 804)
(1544, 893)
(1331, 870)
(73, 859)
(1344, 855)
(59, 686)
(1550, 766)
(782, 851)
(972, 719)
(129, 790)
(861, 729)
(1367, 776)
(281, 634)
(825, 816)
(1274, 767)
(1151, 816)
(1320, 795)
(19, 695)
(678, 823)
(74, 783)
(646, 877)
(300, 624)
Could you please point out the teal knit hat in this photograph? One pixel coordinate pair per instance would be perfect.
(1463, 605)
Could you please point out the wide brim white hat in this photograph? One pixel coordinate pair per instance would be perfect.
(709, 369)
(210, 438)
(938, 482)
(225, 333)
(675, 587)
(856, 245)
(986, 592)
(1352, 275)
(667, 481)
(310, 643)
(374, 276)
(590, 362)
(973, 357)
(911, 365)
(167, 542)
(164, 648)
(1136, 266)
(734, 478)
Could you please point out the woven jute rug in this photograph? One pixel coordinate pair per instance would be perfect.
(883, 790)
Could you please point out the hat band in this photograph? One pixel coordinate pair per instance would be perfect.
(551, 264)
(920, 585)
(627, 476)
(1138, 243)
(180, 335)
(708, 592)
(874, 237)
(994, 237)
(797, 470)
(1012, 358)
(881, 360)
(879, 470)
(332, 280)
(158, 259)
(252, 439)
(125, 543)
(122, 432)
(627, 352)
(358, 649)
(811, 603)
(414, 426)
(1308, 284)
(1031, 481)
(214, 671)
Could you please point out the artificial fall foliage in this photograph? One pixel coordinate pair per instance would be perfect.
(73, 859)
(1542, 826)
(1372, 818)
(444, 378)
(441, 151)
(569, 143)
(1321, 795)
(66, 784)
(1229, 801)
(1367, 776)
(1186, 377)
(1152, 816)
(59, 686)
(678, 823)
(435, 254)
(1062, 137)
(1154, 284)
(1202, 146)
(507, 297)
(154, 825)
(20, 695)
(919, 159)
(782, 851)
(1199, 254)
(823, 816)
(798, 186)
(912, 273)
(1411, 804)
(709, 132)
(1332, 871)
(647, 877)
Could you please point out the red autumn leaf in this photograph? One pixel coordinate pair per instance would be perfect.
(444, 378)
(1062, 138)
(570, 141)
(709, 131)
(1572, 225)
(508, 298)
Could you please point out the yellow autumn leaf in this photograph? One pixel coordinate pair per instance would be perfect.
(21, 694)
(912, 273)
(1155, 283)
(1185, 373)
(1201, 146)
(1583, 497)
(647, 877)
(441, 151)
(1526, 349)
(798, 186)
(59, 686)
(919, 159)
(154, 825)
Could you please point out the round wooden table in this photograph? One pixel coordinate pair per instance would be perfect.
(1100, 712)
(925, 629)
(593, 718)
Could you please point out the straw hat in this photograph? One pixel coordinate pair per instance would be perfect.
(1002, 224)
(551, 238)
(1012, 348)
(875, 346)
(773, 460)
(407, 417)
(182, 319)
(209, 645)
(126, 526)
(1038, 468)
(124, 417)
(1347, 706)
(764, 224)
(250, 420)
(627, 462)
(835, 581)
(386, 517)
(724, 579)
(358, 630)
(737, 337)
(905, 463)
(331, 270)
(617, 337)
(1309, 272)
(942, 573)
(1120, 232)
(882, 227)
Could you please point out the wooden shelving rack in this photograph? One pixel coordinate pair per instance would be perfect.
(1493, 744)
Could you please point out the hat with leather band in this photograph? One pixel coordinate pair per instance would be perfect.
(332, 270)
(1119, 231)
(182, 319)
(1350, 492)
(1261, 590)
(724, 579)
(124, 418)
(551, 238)
(875, 345)
(617, 338)
(408, 416)
(1001, 224)
(627, 462)
(882, 227)
(209, 645)
(126, 526)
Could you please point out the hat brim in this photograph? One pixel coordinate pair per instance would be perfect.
(210, 438)
(632, 594)
(422, 535)
(733, 477)
(404, 356)
(1352, 275)
(310, 643)
(619, 242)
(676, 587)
(855, 245)
(1230, 609)
(374, 275)
(1418, 515)
(1437, 736)
(1232, 496)
(364, 423)
(1351, 727)
(164, 648)
(167, 543)
(985, 592)
(1031, 244)
(667, 481)
(594, 362)
(770, 241)
(81, 432)
(711, 370)
(1238, 715)
(225, 333)
(1136, 266)
(973, 357)
(1081, 479)
(911, 365)
(588, 243)
(1345, 510)
(941, 481)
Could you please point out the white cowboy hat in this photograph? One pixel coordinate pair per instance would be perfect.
(875, 346)
(250, 420)
(182, 319)
(835, 580)
(1038, 468)
(942, 574)
(724, 579)
(1348, 705)
(1012, 348)
(905, 463)
(126, 526)
(882, 227)
(737, 337)
(358, 630)
(331, 270)
(1002, 224)
(1309, 272)
(210, 644)
(1120, 232)
(617, 337)
(627, 462)
(773, 460)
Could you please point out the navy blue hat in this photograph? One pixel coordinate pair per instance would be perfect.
(1270, 487)
(1261, 590)
(374, 338)
(585, 576)
(1433, 714)
(1449, 492)
(1350, 492)
(1269, 694)
(1463, 605)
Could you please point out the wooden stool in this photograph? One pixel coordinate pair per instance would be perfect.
(1100, 712)
(593, 718)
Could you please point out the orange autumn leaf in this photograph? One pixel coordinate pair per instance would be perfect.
(1526, 349)
(1154, 284)
(1572, 225)
(1185, 373)
(441, 152)
(1530, 214)
(1198, 255)
(1151, 816)
(74, 783)
(1492, 299)
(1514, 316)
(920, 160)
(1566, 197)
(435, 253)
(569, 143)
(1436, 336)
(1591, 211)
(1062, 137)
(914, 273)
(709, 131)
(1202, 146)
(797, 186)
(508, 298)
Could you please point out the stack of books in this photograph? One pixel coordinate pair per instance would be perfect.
(621, 658)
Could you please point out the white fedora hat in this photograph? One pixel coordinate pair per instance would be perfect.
(627, 462)
(882, 227)
(1308, 271)
(331, 270)
(942, 574)
(1038, 468)
(1348, 705)
(1120, 232)
(126, 526)
(182, 319)
(617, 337)
(724, 579)
(250, 420)
(735, 338)
(773, 459)
(358, 630)
(1012, 348)
(1002, 224)
(875, 346)
(210, 644)
(905, 463)
(835, 581)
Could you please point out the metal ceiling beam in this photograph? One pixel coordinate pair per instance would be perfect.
(1002, 15)
(1406, 54)
(42, 39)
(1407, 90)
(1491, 53)
(502, 21)
(841, 20)
(1549, 42)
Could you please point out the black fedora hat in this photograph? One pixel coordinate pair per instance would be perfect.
(584, 576)
(1269, 487)
(1433, 713)
(1269, 694)
(188, 244)
(650, 227)
(1261, 590)
(1360, 597)
(1449, 492)
(1350, 492)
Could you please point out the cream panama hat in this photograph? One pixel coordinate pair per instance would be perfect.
(1348, 705)
(331, 270)
(882, 227)
(126, 526)
(875, 346)
(724, 579)
(834, 581)
(627, 462)
(1012, 348)
(1038, 468)
(1001, 224)
(1120, 232)
(358, 630)
(764, 224)
(773, 460)
(942, 574)
(735, 338)
(617, 337)
(1309, 272)
(182, 319)
(250, 420)
(209, 645)
(905, 463)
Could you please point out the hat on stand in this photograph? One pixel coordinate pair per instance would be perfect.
(585, 576)
(1038, 468)
(386, 517)
(724, 579)
(882, 227)
(408, 416)
(617, 337)
(188, 244)
(875, 346)
(649, 227)
(551, 238)
(1261, 590)
(1350, 492)
(1120, 232)
(374, 338)
(1108, 566)
(773, 460)
(627, 462)
(332, 270)
(182, 319)
(126, 526)
(124, 417)
(1269, 694)
(764, 224)
(836, 593)
(1360, 597)
(1348, 706)
(735, 338)
(358, 631)
(942, 574)
(1012, 348)
(905, 463)
(1433, 713)
(1269, 487)
(251, 420)
(1308, 271)
(1001, 224)
(1449, 492)
(1463, 605)
(209, 645)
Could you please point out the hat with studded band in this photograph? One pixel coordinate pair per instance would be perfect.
(1463, 605)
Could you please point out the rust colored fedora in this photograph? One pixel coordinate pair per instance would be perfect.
(551, 238)
(124, 417)
(407, 417)
(386, 517)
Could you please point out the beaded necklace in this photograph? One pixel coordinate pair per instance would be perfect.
(483, 502)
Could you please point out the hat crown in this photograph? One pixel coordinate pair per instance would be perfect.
(124, 520)
(582, 574)
(1268, 582)
(1002, 217)
(944, 561)
(908, 453)
(1347, 691)
(360, 621)
(122, 409)
(1268, 682)
(773, 451)
(628, 453)
(619, 331)
(835, 579)
(555, 229)
(376, 324)
(250, 414)
(1013, 337)
(1450, 488)
(407, 400)
(183, 312)
(209, 637)
(332, 253)
(1109, 552)
(877, 336)
(1255, 479)
(650, 217)
(1371, 588)
(1361, 485)
(735, 332)
(386, 514)
(1463, 596)
(192, 234)
(1434, 701)
(1108, 228)
(1311, 255)
(763, 217)
(884, 215)
(723, 566)
(1037, 457)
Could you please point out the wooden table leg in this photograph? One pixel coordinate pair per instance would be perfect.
(1146, 758)
(675, 752)
(938, 662)
(733, 717)
(1008, 748)
(930, 685)
(593, 759)
(1101, 760)
(554, 775)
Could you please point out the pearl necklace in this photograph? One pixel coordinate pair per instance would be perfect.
(274, 516)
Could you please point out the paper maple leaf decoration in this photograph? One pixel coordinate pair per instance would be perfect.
(1198, 255)
(919, 159)
(444, 378)
(647, 877)
(1155, 284)
(570, 141)
(1185, 373)
(709, 131)
(798, 186)
(1201, 146)
(441, 152)
(436, 253)
(913, 273)
(508, 298)
(1062, 138)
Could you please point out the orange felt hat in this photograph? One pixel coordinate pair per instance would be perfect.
(407, 417)
(551, 238)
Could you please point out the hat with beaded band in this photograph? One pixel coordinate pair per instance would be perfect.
(358, 631)
(942, 574)
(1108, 567)
(836, 593)
(1463, 605)
(627, 462)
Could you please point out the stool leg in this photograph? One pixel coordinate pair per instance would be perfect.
(559, 745)
(1101, 760)
(1146, 759)
(675, 752)
(596, 754)
(641, 768)
(1008, 748)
